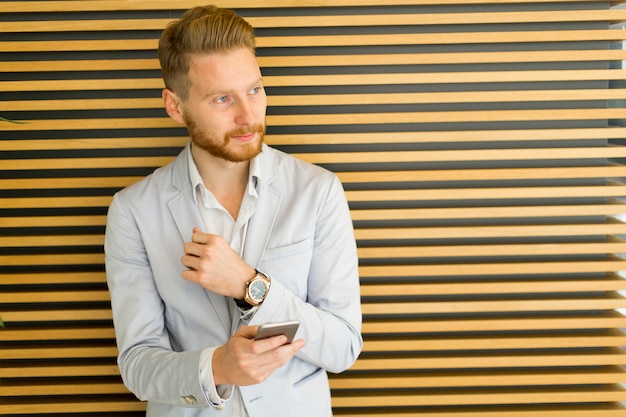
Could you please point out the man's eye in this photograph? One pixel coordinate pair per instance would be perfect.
(222, 99)
(255, 90)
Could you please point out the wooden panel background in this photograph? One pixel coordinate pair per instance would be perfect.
(481, 148)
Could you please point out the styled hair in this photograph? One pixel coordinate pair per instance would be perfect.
(200, 30)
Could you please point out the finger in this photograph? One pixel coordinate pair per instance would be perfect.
(200, 237)
(194, 249)
(191, 262)
(247, 331)
(268, 344)
(273, 359)
(298, 344)
(289, 350)
(190, 275)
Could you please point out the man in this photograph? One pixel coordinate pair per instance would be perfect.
(230, 235)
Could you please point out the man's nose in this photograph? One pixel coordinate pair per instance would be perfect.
(245, 113)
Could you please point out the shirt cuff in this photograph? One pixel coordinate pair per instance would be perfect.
(247, 313)
(215, 395)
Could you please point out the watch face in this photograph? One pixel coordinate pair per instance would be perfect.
(258, 290)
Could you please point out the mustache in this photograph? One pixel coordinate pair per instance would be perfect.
(242, 131)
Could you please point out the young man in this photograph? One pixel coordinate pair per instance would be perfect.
(230, 235)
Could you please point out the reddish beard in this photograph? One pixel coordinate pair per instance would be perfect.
(218, 147)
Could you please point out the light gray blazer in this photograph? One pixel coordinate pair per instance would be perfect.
(301, 236)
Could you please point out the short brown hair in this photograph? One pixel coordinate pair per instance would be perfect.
(200, 30)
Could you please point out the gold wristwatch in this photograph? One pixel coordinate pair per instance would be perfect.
(256, 291)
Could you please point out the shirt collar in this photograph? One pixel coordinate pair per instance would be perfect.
(254, 179)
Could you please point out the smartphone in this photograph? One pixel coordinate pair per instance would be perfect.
(287, 328)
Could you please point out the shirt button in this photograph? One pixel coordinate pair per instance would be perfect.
(188, 399)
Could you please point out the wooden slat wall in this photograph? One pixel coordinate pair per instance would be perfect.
(481, 148)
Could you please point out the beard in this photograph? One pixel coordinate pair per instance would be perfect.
(218, 147)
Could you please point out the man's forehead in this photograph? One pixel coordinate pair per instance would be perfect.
(223, 73)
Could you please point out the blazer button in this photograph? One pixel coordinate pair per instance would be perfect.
(188, 400)
(220, 407)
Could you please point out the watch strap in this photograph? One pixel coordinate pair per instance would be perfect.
(243, 304)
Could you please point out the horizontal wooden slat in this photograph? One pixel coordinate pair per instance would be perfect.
(19, 297)
(78, 182)
(13, 389)
(490, 250)
(48, 260)
(563, 410)
(441, 251)
(59, 351)
(492, 268)
(77, 163)
(481, 174)
(421, 289)
(337, 99)
(52, 278)
(606, 319)
(344, 157)
(37, 370)
(51, 221)
(345, 177)
(31, 316)
(460, 155)
(383, 195)
(478, 136)
(331, 21)
(605, 375)
(489, 287)
(52, 240)
(82, 405)
(430, 232)
(115, 5)
(437, 78)
(338, 119)
(333, 80)
(484, 396)
(51, 333)
(365, 253)
(597, 357)
(498, 306)
(333, 60)
(386, 214)
(556, 340)
(482, 193)
(462, 38)
(486, 212)
(446, 117)
(556, 55)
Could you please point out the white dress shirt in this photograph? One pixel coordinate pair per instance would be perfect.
(218, 221)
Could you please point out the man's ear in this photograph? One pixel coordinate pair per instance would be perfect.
(173, 105)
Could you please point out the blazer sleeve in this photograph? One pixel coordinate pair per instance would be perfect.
(330, 314)
(150, 368)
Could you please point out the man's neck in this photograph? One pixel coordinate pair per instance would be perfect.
(226, 180)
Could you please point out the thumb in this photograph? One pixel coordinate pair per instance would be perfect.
(247, 331)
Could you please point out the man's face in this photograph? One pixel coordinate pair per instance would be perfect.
(225, 110)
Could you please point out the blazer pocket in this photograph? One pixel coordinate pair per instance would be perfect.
(308, 379)
(288, 250)
(290, 265)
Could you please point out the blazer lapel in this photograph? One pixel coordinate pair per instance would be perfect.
(262, 222)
